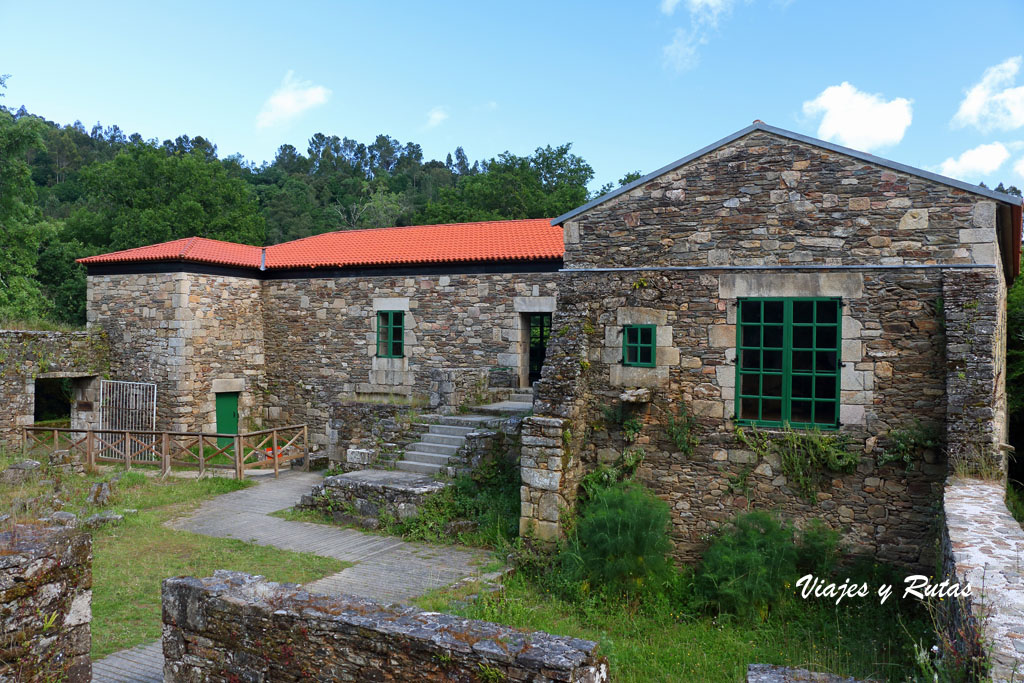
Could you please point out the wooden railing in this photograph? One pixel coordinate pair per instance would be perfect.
(204, 451)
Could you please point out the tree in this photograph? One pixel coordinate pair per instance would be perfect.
(20, 234)
(145, 195)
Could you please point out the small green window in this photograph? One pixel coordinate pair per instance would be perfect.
(788, 360)
(638, 347)
(390, 334)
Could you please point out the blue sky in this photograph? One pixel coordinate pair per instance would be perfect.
(633, 85)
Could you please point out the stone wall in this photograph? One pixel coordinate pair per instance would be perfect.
(321, 335)
(193, 335)
(237, 627)
(765, 199)
(893, 374)
(26, 356)
(974, 307)
(45, 605)
(983, 545)
(360, 434)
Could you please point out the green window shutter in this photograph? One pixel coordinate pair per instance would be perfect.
(639, 345)
(390, 334)
(788, 362)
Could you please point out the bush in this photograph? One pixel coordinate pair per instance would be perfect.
(621, 543)
(753, 564)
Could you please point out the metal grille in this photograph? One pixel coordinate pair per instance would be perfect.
(130, 406)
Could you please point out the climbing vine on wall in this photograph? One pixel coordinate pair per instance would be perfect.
(803, 455)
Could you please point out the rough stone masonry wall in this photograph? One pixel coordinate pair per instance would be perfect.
(191, 334)
(321, 335)
(893, 375)
(974, 306)
(26, 356)
(45, 605)
(983, 545)
(764, 199)
(236, 627)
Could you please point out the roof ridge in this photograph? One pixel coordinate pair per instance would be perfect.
(759, 125)
(188, 245)
(405, 227)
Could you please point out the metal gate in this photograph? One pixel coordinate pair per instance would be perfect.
(130, 406)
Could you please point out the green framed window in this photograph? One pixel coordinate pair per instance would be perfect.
(638, 345)
(788, 360)
(390, 334)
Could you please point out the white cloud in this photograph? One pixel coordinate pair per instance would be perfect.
(290, 100)
(681, 53)
(708, 11)
(704, 15)
(436, 116)
(669, 6)
(859, 119)
(977, 162)
(992, 103)
(1019, 167)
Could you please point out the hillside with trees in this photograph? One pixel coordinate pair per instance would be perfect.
(67, 192)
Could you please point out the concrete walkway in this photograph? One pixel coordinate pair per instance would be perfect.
(386, 569)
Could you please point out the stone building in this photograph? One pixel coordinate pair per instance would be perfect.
(769, 281)
(237, 336)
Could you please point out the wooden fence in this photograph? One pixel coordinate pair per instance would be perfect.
(266, 449)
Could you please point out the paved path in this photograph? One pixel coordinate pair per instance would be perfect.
(386, 569)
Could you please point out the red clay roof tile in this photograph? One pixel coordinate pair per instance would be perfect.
(518, 240)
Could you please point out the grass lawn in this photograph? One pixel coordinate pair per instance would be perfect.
(863, 640)
(131, 558)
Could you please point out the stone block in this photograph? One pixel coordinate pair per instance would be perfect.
(984, 215)
(541, 479)
(632, 315)
(721, 336)
(629, 376)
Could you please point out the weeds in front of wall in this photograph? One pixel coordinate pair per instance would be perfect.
(972, 461)
(803, 455)
(907, 444)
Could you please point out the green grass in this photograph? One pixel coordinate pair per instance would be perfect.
(489, 497)
(1015, 499)
(131, 558)
(38, 324)
(863, 639)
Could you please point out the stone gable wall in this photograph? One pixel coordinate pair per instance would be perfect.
(764, 199)
(235, 627)
(28, 355)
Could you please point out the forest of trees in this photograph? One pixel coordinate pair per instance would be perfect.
(67, 192)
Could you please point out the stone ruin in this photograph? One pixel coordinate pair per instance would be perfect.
(45, 604)
(233, 626)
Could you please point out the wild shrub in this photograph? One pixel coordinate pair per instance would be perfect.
(753, 564)
(621, 543)
(906, 444)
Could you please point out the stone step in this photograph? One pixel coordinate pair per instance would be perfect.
(441, 448)
(447, 439)
(505, 408)
(423, 456)
(451, 430)
(418, 467)
(521, 398)
(475, 421)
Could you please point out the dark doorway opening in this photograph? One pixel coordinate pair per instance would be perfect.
(53, 401)
(540, 330)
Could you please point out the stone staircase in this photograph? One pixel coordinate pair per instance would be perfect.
(439, 443)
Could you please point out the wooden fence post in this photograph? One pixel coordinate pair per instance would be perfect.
(165, 454)
(55, 444)
(305, 445)
(273, 452)
(24, 441)
(90, 452)
(239, 465)
(202, 454)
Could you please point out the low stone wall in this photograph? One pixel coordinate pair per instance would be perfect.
(238, 627)
(360, 434)
(983, 545)
(361, 498)
(45, 605)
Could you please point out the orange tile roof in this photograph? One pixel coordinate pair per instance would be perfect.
(190, 249)
(518, 240)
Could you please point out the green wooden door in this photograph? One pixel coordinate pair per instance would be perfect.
(227, 415)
